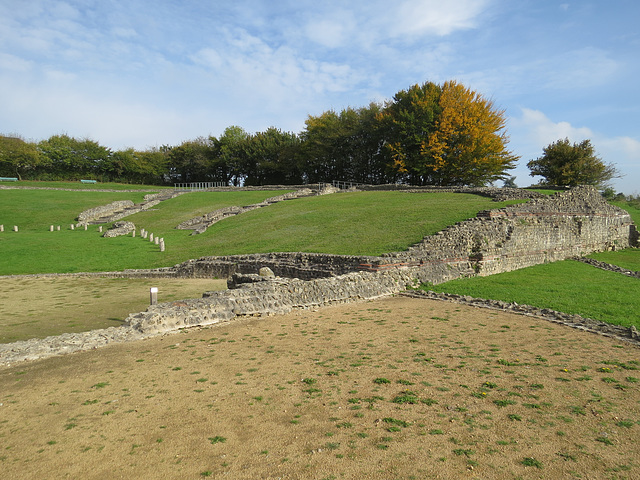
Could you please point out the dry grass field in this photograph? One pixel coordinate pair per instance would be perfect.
(397, 388)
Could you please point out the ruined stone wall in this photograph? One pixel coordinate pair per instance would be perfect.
(567, 224)
(304, 266)
(278, 296)
(573, 223)
(103, 210)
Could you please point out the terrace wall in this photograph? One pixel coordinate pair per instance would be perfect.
(551, 228)
(572, 223)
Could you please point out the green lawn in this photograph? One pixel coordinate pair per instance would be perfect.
(360, 223)
(629, 258)
(568, 286)
(83, 186)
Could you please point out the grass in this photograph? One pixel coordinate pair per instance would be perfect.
(84, 186)
(629, 258)
(360, 223)
(567, 286)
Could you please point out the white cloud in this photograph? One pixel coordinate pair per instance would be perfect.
(332, 31)
(543, 131)
(435, 17)
(534, 130)
(13, 63)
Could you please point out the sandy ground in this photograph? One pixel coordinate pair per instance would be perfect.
(39, 306)
(397, 388)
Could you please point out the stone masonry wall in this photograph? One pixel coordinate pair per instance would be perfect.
(564, 225)
(275, 295)
(103, 210)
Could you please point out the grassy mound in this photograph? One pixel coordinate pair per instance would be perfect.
(360, 223)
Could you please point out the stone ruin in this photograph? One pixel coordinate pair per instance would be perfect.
(546, 229)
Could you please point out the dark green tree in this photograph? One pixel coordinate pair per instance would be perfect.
(18, 158)
(229, 154)
(345, 146)
(271, 158)
(70, 158)
(563, 163)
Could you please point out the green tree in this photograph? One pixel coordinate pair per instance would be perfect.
(407, 122)
(70, 158)
(344, 146)
(446, 135)
(18, 157)
(563, 163)
(229, 154)
(190, 161)
(271, 158)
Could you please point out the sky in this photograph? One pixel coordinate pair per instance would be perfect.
(138, 73)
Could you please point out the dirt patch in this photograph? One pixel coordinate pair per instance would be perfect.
(36, 307)
(396, 388)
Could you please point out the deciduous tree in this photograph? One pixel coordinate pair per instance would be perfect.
(563, 163)
(446, 135)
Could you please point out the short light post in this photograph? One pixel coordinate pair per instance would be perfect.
(154, 295)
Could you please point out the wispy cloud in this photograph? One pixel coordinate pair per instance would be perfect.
(535, 130)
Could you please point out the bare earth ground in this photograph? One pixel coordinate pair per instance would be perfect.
(39, 306)
(397, 388)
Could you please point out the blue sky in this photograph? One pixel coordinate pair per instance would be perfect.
(137, 73)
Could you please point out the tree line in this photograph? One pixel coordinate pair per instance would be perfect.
(428, 134)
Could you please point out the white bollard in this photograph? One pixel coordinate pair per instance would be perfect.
(153, 292)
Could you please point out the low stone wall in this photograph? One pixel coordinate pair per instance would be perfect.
(104, 210)
(628, 334)
(608, 267)
(305, 266)
(120, 229)
(201, 223)
(275, 295)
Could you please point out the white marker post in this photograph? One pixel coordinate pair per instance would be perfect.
(154, 295)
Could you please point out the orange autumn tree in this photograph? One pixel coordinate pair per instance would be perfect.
(447, 135)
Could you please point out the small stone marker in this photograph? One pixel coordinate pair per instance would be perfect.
(100, 228)
(85, 226)
(15, 228)
(1, 228)
(73, 227)
(51, 228)
(151, 237)
(58, 228)
(133, 233)
(153, 292)
(156, 240)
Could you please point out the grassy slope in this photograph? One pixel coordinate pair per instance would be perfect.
(567, 286)
(83, 186)
(348, 223)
